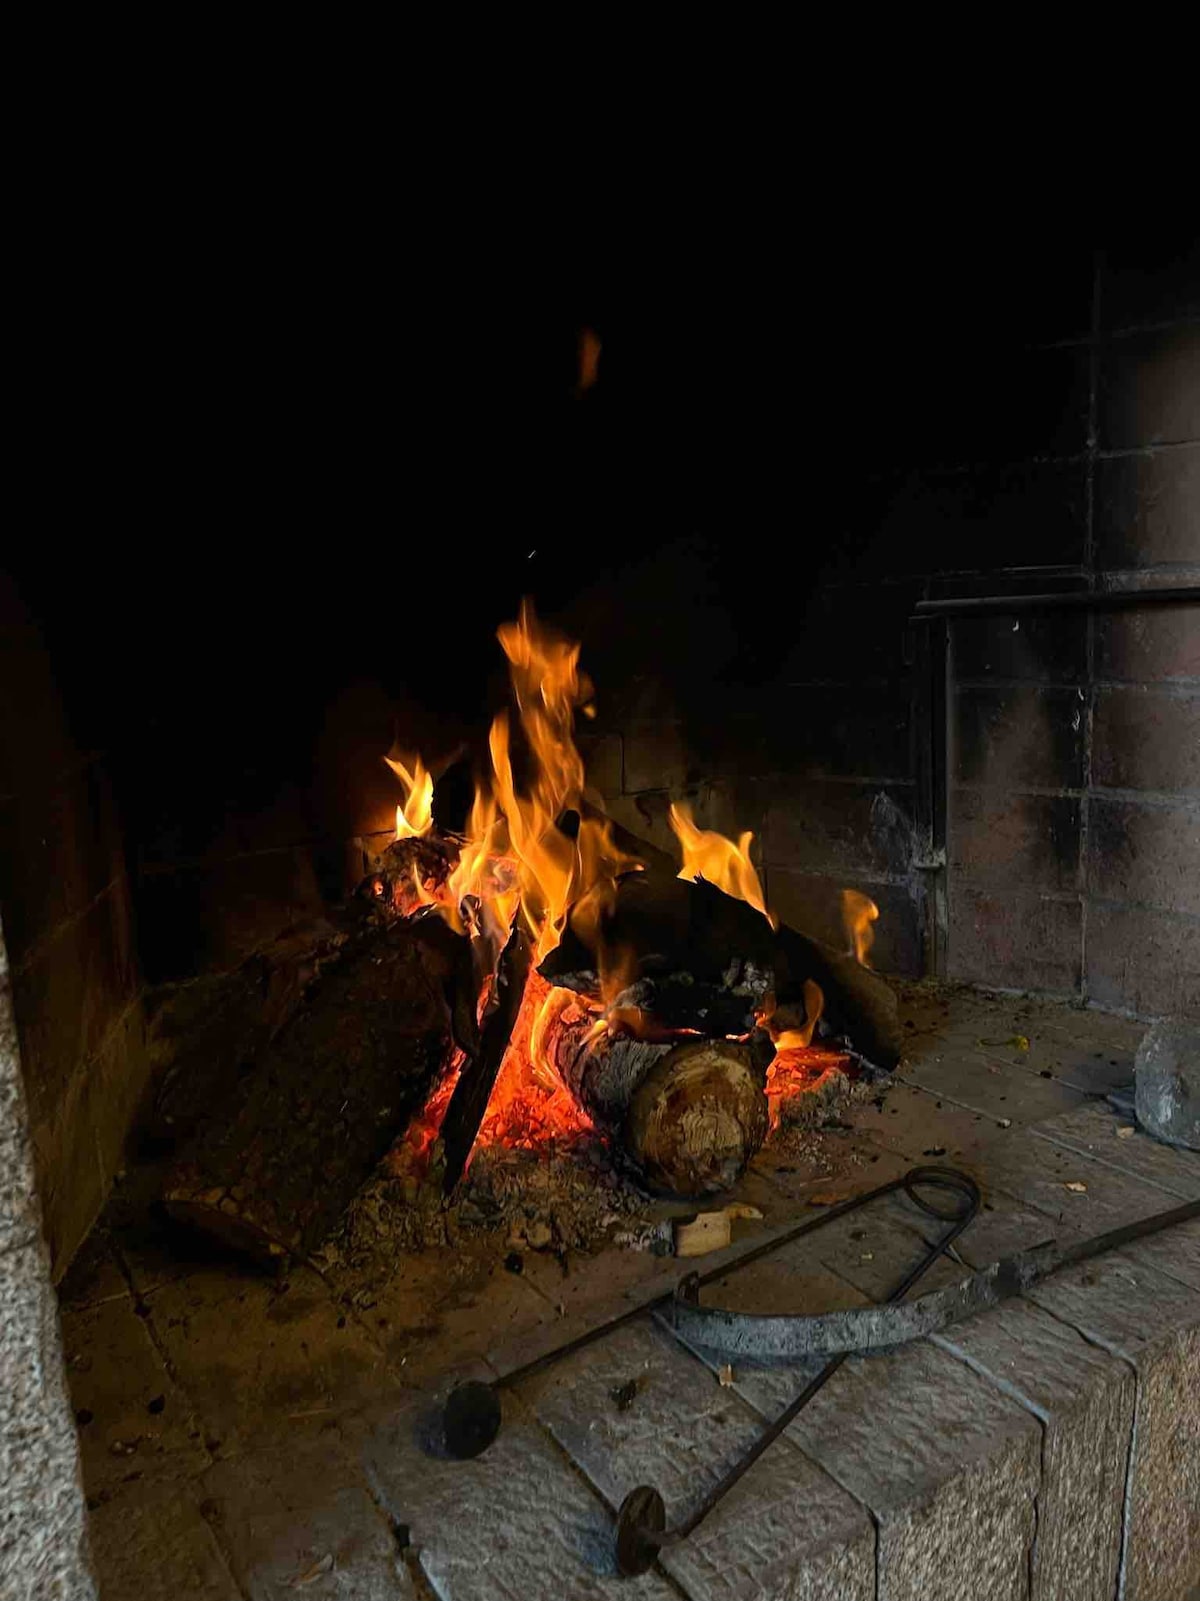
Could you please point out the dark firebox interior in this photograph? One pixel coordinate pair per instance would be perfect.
(299, 533)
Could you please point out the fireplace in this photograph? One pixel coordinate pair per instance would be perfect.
(895, 698)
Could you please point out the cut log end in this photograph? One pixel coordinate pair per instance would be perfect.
(697, 1118)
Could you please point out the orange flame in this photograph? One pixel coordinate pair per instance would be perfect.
(859, 913)
(415, 816)
(711, 856)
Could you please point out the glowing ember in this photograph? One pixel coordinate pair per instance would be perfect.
(529, 1109)
(794, 1073)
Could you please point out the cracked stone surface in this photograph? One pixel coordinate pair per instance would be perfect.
(1085, 1399)
(287, 1457)
(300, 1519)
(515, 1523)
(157, 1547)
(948, 1466)
(1125, 1305)
(1094, 1130)
(679, 1431)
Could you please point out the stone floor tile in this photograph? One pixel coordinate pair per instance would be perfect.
(948, 1466)
(1093, 1130)
(516, 1523)
(1038, 1172)
(1153, 1322)
(423, 1324)
(157, 1547)
(270, 1353)
(130, 1413)
(985, 1084)
(300, 1519)
(679, 1431)
(912, 1123)
(1085, 1399)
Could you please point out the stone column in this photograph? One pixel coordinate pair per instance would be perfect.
(43, 1526)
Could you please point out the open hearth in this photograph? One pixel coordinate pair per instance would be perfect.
(826, 809)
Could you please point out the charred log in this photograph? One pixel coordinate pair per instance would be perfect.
(327, 1099)
(478, 1077)
(708, 961)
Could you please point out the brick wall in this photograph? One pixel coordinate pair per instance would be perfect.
(771, 673)
(1074, 829)
(68, 925)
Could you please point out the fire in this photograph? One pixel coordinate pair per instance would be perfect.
(711, 856)
(859, 913)
(527, 1111)
(415, 816)
(534, 849)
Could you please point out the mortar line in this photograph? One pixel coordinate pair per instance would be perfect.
(1089, 559)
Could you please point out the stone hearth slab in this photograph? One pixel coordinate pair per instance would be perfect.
(1018, 1456)
(786, 1529)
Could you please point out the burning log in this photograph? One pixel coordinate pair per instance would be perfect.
(473, 1090)
(329, 1096)
(690, 1115)
(703, 959)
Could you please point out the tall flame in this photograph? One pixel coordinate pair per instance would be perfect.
(415, 816)
(859, 913)
(516, 859)
(711, 856)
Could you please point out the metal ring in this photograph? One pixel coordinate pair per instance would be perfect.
(960, 1185)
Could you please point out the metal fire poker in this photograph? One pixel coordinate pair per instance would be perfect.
(472, 1413)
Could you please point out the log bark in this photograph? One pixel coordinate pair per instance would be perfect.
(688, 1115)
(326, 1101)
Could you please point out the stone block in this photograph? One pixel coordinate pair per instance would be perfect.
(656, 756)
(1167, 1078)
(818, 826)
(18, 1194)
(1043, 648)
(1143, 959)
(1128, 1308)
(1095, 1130)
(300, 1519)
(1038, 1172)
(999, 840)
(68, 994)
(1085, 1401)
(1017, 941)
(518, 1521)
(43, 1543)
(1151, 645)
(1149, 390)
(256, 1355)
(132, 1417)
(1148, 508)
(156, 1546)
(1147, 853)
(679, 1433)
(812, 903)
(1146, 738)
(972, 1080)
(953, 1500)
(1019, 737)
